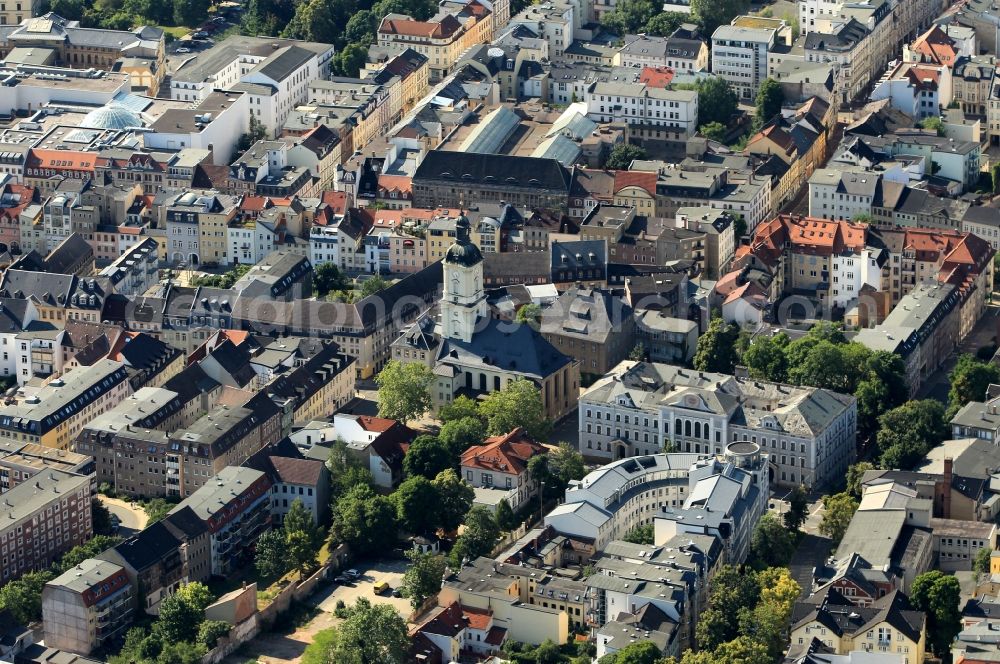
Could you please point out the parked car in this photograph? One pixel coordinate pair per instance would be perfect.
(397, 593)
(352, 574)
(201, 34)
(183, 50)
(381, 588)
(343, 580)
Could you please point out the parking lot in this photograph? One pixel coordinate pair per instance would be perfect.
(390, 571)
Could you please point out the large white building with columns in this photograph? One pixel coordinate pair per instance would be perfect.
(808, 434)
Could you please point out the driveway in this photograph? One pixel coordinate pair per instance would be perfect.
(133, 519)
(390, 571)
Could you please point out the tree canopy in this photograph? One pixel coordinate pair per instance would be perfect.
(771, 544)
(839, 509)
(938, 595)
(769, 101)
(622, 156)
(907, 433)
(518, 404)
(364, 520)
(370, 634)
(717, 347)
(969, 380)
(404, 390)
(710, 14)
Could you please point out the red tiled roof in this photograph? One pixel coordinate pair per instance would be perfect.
(442, 29)
(399, 183)
(642, 180)
(337, 200)
(67, 160)
(506, 454)
(380, 424)
(477, 618)
(656, 77)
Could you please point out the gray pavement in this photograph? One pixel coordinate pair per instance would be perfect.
(390, 571)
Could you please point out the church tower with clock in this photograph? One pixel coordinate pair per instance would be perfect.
(464, 299)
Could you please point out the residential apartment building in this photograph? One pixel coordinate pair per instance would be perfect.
(655, 116)
(923, 329)
(55, 414)
(24, 462)
(889, 625)
(235, 507)
(45, 517)
(88, 606)
(155, 562)
(641, 407)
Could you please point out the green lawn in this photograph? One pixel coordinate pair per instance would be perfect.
(175, 31)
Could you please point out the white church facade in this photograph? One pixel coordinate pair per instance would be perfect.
(473, 354)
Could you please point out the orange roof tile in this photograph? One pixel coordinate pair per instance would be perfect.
(656, 77)
(67, 160)
(506, 454)
(642, 180)
(477, 618)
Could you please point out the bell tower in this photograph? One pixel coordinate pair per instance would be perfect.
(464, 301)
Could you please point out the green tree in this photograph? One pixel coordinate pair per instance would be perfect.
(190, 12)
(717, 103)
(530, 314)
(404, 390)
(373, 285)
(665, 23)
(771, 543)
(182, 612)
(317, 20)
(638, 353)
(505, 515)
(415, 501)
(640, 652)
(969, 380)
(350, 60)
(933, 123)
(480, 535)
(518, 404)
(327, 277)
(454, 499)
(100, 517)
(460, 435)
(838, 511)
(565, 464)
(361, 27)
(629, 16)
(766, 358)
(364, 521)
(156, 509)
(798, 508)
(622, 156)
(640, 535)
(270, 559)
(710, 14)
(423, 577)
(459, 408)
(981, 563)
(68, 9)
(346, 471)
(717, 347)
(371, 634)
(769, 101)
(300, 520)
(301, 552)
(714, 131)
(938, 594)
(23, 596)
(995, 177)
(210, 631)
(855, 475)
(427, 456)
(181, 652)
(89, 549)
(907, 433)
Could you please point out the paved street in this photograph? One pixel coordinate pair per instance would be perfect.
(133, 519)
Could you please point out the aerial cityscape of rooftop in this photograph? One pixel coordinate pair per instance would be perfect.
(499, 332)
